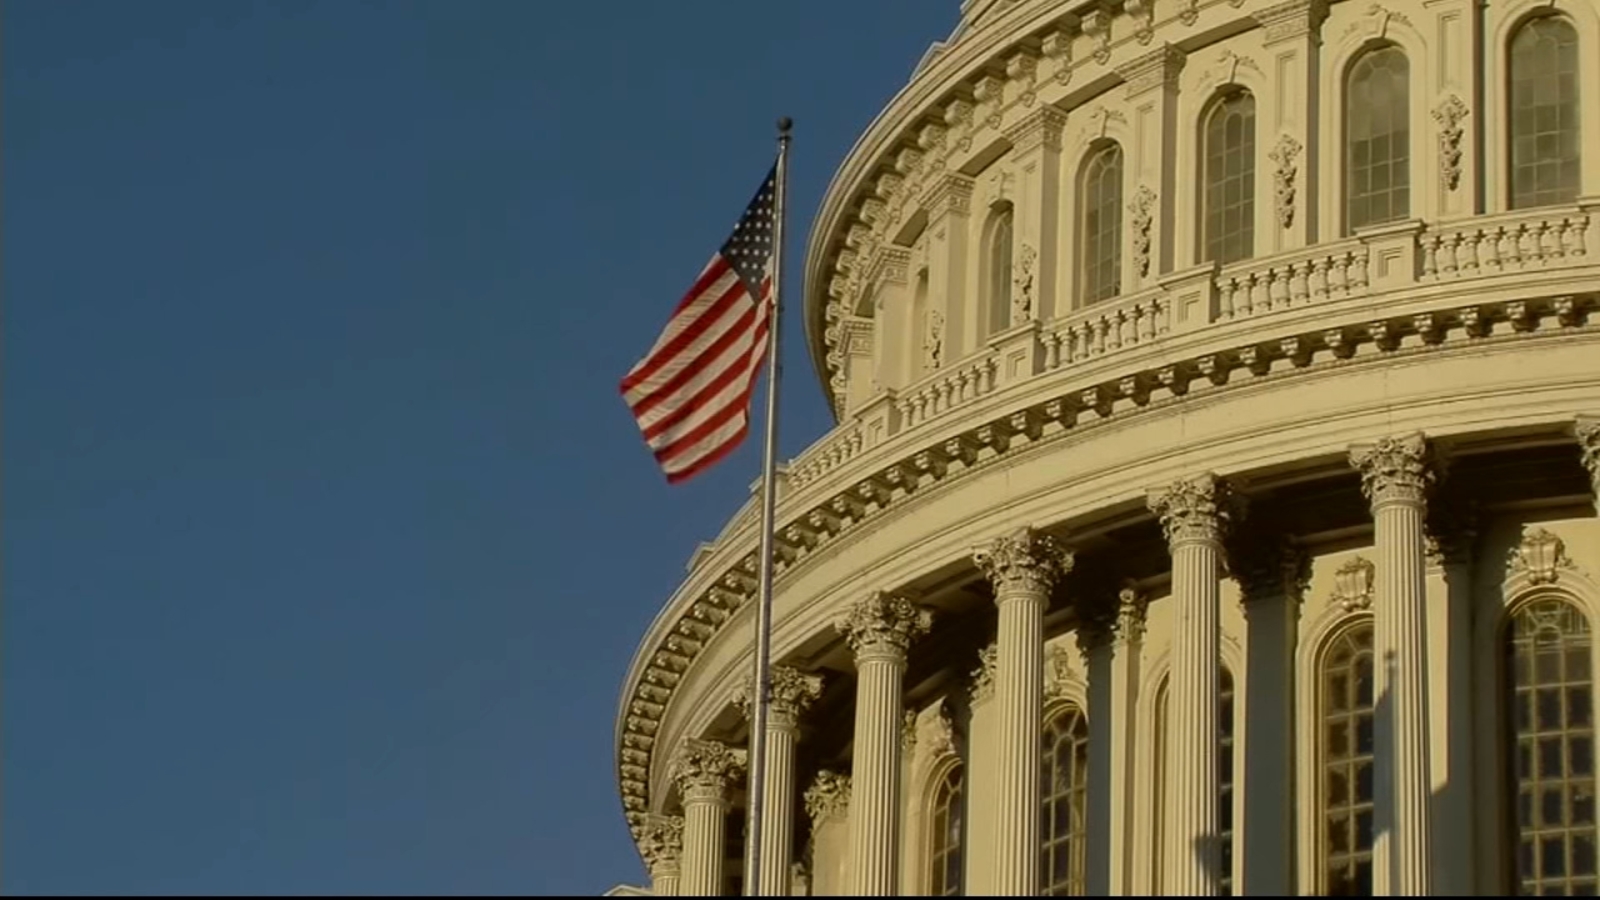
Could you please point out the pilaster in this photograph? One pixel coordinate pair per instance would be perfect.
(949, 207)
(1287, 120)
(1036, 154)
(1110, 640)
(827, 804)
(1586, 429)
(1149, 182)
(1450, 535)
(880, 629)
(1023, 566)
(1395, 476)
(1192, 514)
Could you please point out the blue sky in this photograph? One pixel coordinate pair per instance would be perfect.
(327, 539)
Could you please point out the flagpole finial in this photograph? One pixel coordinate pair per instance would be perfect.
(784, 125)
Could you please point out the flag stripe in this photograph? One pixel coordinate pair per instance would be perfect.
(728, 386)
(700, 313)
(678, 380)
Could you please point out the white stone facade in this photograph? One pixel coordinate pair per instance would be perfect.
(1213, 503)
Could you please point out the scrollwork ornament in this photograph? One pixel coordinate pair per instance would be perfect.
(1023, 561)
(983, 675)
(1022, 285)
(1394, 470)
(883, 623)
(1192, 509)
(1449, 115)
(1284, 156)
(1141, 209)
(933, 341)
(1542, 556)
(1352, 585)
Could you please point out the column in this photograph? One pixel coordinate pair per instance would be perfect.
(1110, 637)
(1023, 566)
(1451, 534)
(792, 692)
(1394, 477)
(1192, 514)
(1587, 430)
(1272, 576)
(703, 771)
(827, 803)
(879, 628)
(661, 845)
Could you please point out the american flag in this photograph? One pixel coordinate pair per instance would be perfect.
(691, 392)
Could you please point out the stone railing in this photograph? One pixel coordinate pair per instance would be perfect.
(946, 389)
(1108, 327)
(835, 449)
(1327, 271)
(1519, 242)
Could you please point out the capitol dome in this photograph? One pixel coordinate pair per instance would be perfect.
(1211, 505)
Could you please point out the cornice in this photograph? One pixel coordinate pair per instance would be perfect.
(725, 581)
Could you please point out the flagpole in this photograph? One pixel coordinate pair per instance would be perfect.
(769, 502)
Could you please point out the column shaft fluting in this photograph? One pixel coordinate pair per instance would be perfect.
(792, 691)
(1023, 567)
(875, 791)
(1192, 518)
(1395, 476)
(880, 629)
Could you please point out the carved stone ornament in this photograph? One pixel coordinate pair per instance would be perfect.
(1097, 25)
(908, 730)
(1283, 155)
(933, 341)
(883, 623)
(1131, 609)
(1058, 672)
(1352, 585)
(1142, 209)
(1022, 285)
(1394, 470)
(1193, 509)
(1587, 430)
(1541, 555)
(1449, 114)
(1024, 560)
(983, 675)
(792, 692)
(661, 844)
(704, 770)
(828, 796)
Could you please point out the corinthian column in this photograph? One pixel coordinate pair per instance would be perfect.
(1587, 430)
(703, 771)
(1023, 566)
(792, 692)
(1395, 477)
(879, 628)
(1192, 515)
(661, 845)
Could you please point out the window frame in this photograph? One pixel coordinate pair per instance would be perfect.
(995, 287)
(1209, 110)
(1508, 165)
(1054, 712)
(1342, 110)
(939, 779)
(1091, 155)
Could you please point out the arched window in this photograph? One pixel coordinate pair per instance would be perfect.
(1225, 797)
(1377, 122)
(1346, 790)
(1102, 224)
(1230, 178)
(949, 834)
(997, 266)
(1066, 788)
(1545, 143)
(1550, 696)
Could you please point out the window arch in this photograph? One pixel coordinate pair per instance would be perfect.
(997, 269)
(1101, 199)
(1225, 798)
(1377, 120)
(1549, 732)
(1229, 179)
(1345, 680)
(1065, 788)
(948, 832)
(1545, 141)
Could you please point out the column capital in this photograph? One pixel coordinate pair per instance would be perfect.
(1157, 69)
(1192, 509)
(1292, 19)
(1394, 469)
(661, 845)
(827, 797)
(1041, 128)
(793, 691)
(704, 769)
(983, 676)
(1586, 428)
(883, 624)
(951, 194)
(1024, 560)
